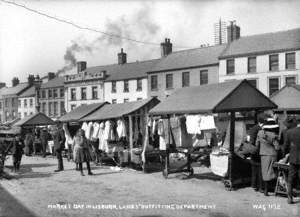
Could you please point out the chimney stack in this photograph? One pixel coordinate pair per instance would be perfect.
(166, 47)
(81, 66)
(233, 32)
(51, 75)
(122, 57)
(30, 80)
(15, 81)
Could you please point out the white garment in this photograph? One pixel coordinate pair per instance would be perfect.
(207, 122)
(89, 130)
(101, 137)
(121, 129)
(84, 126)
(108, 131)
(193, 124)
(69, 139)
(96, 128)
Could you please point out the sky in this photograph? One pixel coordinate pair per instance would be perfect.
(34, 44)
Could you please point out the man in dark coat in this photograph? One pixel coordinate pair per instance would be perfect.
(44, 140)
(59, 144)
(292, 146)
(17, 152)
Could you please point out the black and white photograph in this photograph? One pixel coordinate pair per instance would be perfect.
(154, 108)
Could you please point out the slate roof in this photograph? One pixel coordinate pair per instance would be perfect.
(55, 82)
(15, 90)
(28, 93)
(264, 43)
(37, 119)
(110, 111)
(131, 70)
(1, 91)
(287, 98)
(80, 112)
(212, 98)
(189, 58)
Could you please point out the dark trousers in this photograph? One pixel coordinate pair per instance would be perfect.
(44, 146)
(256, 176)
(70, 152)
(60, 160)
(294, 170)
(17, 161)
(87, 166)
(96, 151)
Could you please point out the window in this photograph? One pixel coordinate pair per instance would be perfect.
(95, 92)
(289, 80)
(169, 81)
(73, 94)
(43, 94)
(230, 66)
(25, 103)
(139, 84)
(25, 114)
(139, 98)
(273, 85)
(44, 107)
(126, 100)
(126, 86)
(273, 62)
(290, 61)
(19, 103)
(31, 102)
(62, 92)
(203, 77)
(50, 108)
(185, 79)
(251, 64)
(55, 108)
(83, 93)
(55, 93)
(253, 82)
(62, 108)
(50, 93)
(153, 80)
(113, 101)
(113, 86)
(73, 107)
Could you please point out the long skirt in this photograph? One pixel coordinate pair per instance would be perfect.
(82, 155)
(267, 167)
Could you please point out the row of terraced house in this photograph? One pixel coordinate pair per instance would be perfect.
(269, 61)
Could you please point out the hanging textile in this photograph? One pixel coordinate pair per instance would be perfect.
(163, 132)
(108, 131)
(193, 124)
(207, 122)
(102, 144)
(96, 128)
(84, 126)
(69, 139)
(121, 129)
(240, 134)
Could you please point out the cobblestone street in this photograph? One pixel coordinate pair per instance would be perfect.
(38, 191)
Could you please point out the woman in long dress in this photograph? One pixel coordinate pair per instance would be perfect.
(81, 151)
(267, 142)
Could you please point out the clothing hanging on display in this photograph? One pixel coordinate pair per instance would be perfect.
(121, 129)
(96, 127)
(108, 131)
(102, 143)
(84, 126)
(89, 130)
(69, 139)
(193, 124)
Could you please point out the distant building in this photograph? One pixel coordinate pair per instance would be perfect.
(2, 104)
(184, 68)
(27, 102)
(220, 32)
(51, 99)
(269, 61)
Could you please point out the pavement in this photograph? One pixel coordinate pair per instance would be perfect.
(38, 191)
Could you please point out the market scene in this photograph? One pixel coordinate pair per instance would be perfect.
(211, 130)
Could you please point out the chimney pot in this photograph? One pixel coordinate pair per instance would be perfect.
(122, 57)
(166, 47)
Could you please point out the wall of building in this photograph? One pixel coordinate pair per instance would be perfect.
(69, 103)
(10, 108)
(28, 108)
(262, 73)
(132, 95)
(163, 92)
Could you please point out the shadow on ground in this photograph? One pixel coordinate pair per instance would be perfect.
(26, 171)
(10, 206)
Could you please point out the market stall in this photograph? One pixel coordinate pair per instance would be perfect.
(228, 97)
(121, 128)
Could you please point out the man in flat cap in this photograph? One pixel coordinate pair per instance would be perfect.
(292, 146)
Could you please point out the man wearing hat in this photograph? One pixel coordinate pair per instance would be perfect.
(59, 144)
(292, 146)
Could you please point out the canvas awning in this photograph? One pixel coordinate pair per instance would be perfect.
(81, 112)
(110, 111)
(229, 96)
(37, 119)
(287, 98)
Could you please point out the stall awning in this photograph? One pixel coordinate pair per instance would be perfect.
(110, 111)
(229, 96)
(81, 112)
(287, 98)
(38, 119)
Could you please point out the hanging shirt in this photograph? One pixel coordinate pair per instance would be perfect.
(121, 129)
(193, 124)
(96, 128)
(69, 139)
(101, 137)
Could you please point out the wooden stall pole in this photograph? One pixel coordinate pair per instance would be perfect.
(231, 146)
(130, 138)
(146, 143)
